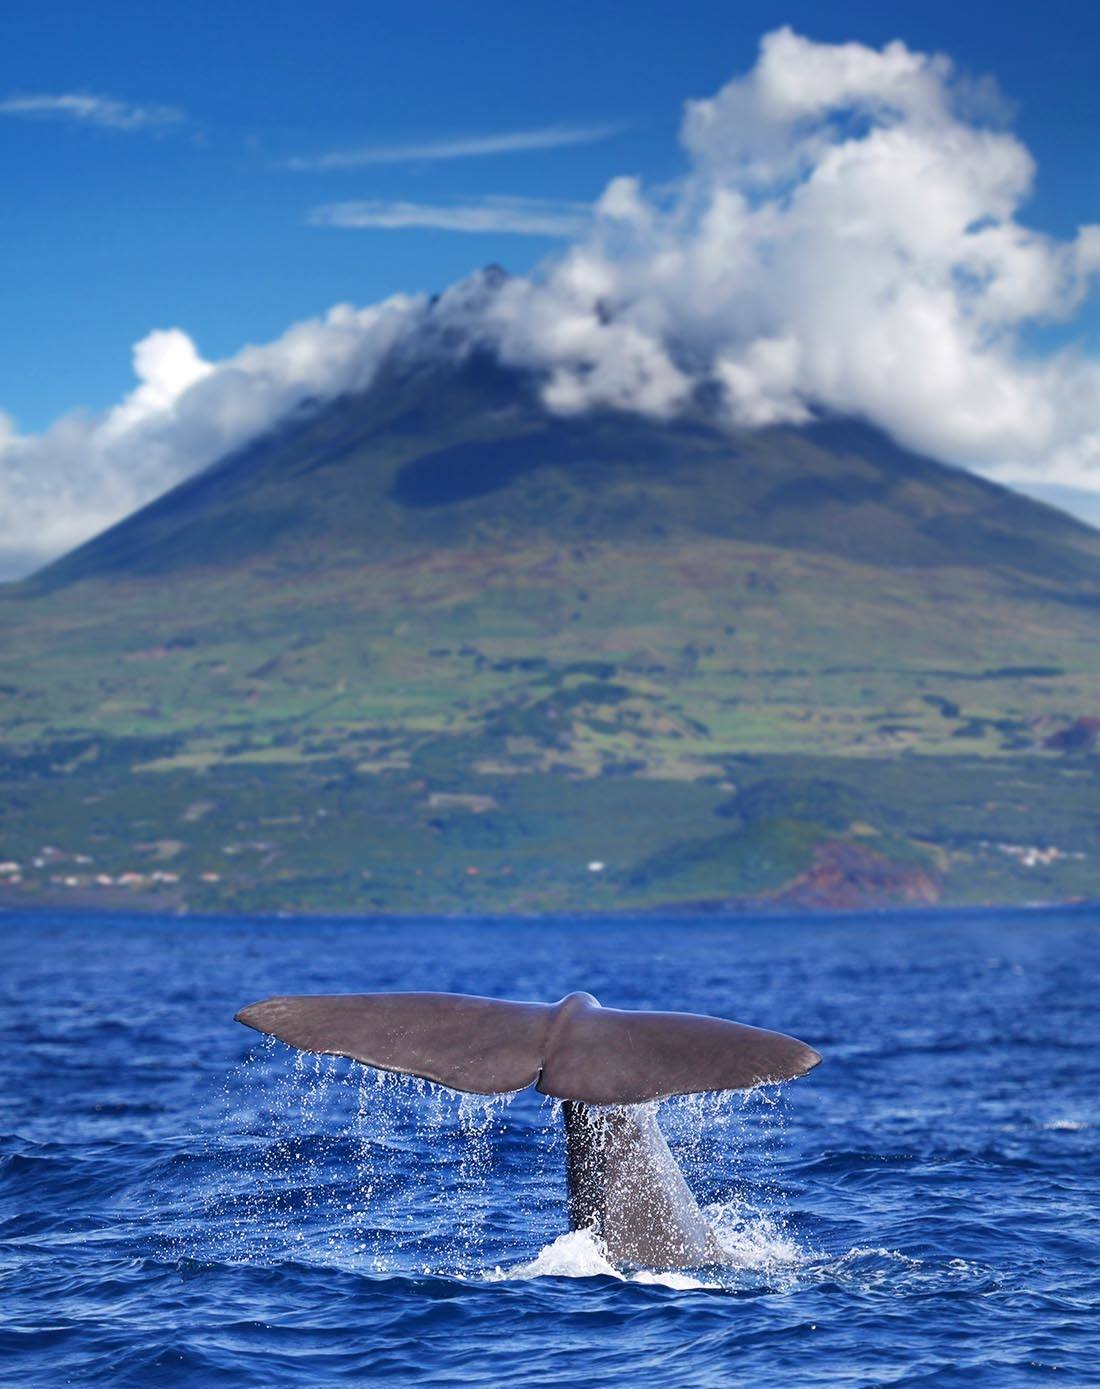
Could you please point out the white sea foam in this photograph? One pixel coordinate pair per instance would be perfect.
(580, 1254)
(751, 1239)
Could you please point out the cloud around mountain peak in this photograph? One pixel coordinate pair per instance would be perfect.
(846, 238)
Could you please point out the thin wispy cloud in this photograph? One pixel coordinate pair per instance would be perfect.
(103, 111)
(521, 216)
(459, 147)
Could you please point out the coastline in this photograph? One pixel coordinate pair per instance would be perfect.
(932, 914)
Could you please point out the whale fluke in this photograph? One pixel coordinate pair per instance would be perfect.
(614, 1056)
(481, 1045)
(623, 1182)
(572, 1050)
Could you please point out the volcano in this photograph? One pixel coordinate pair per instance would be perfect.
(431, 647)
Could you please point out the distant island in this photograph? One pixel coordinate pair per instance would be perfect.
(430, 648)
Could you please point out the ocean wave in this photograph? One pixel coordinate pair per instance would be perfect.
(174, 1214)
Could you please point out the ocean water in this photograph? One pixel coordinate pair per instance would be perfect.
(183, 1203)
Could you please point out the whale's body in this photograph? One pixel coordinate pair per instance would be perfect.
(624, 1183)
(626, 1187)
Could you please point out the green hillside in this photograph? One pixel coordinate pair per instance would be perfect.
(429, 648)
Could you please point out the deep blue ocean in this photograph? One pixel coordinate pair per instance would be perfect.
(183, 1203)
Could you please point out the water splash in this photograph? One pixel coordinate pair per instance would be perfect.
(331, 1163)
(580, 1254)
(753, 1238)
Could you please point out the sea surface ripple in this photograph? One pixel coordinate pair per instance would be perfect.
(185, 1204)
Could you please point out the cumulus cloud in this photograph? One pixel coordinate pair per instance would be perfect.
(847, 238)
(90, 110)
(458, 147)
(522, 216)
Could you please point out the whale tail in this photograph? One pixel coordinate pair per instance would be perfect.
(623, 1181)
(572, 1050)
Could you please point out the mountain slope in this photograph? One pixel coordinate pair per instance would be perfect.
(430, 647)
(435, 457)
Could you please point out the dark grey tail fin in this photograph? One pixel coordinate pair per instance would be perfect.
(478, 1044)
(574, 1050)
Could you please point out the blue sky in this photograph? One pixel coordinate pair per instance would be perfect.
(230, 170)
(109, 232)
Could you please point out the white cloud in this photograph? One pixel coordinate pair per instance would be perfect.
(91, 110)
(847, 238)
(59, 488)
(524, 216)
(458, 147)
